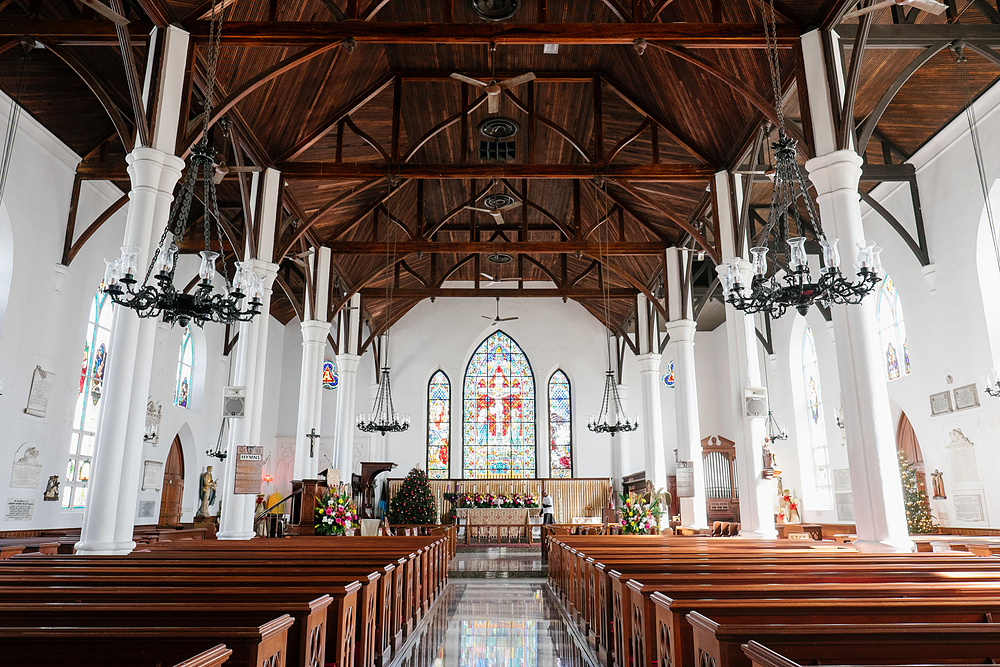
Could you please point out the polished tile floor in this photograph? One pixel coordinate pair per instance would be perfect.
(499, 562)
(495, 623)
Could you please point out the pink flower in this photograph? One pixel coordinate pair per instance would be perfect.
(329, 510)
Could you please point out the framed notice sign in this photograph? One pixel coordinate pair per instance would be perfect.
(249, 459)
(966, 397)
(941, 403)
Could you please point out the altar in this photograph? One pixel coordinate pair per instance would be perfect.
(497, 524)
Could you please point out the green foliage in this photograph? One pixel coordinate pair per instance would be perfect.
(918, 512)
(639, 517)
(413, 503)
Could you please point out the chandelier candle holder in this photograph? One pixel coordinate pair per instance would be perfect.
(992, 382)
(601, 423)
(383, 418)
(775, 433)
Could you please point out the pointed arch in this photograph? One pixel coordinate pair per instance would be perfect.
(185, 370)
(892, 331)
(498, 414)
(438, 425)
(560, 426)
(815, 447)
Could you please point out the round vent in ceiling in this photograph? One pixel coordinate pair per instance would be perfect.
(499, 127)
(499, 258)
(494, 10)
(497, 201)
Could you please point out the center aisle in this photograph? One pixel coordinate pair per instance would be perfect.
(489, 622)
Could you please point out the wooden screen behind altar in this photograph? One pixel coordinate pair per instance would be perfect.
(498, 415)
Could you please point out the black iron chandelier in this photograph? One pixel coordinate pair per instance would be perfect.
(241, 298)
(383, 417)
(765, 294)
(601, 423)
(775, 433)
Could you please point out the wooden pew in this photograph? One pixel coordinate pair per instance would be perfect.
(126, 645)
(761, 656)
(720, 645)
(213, 657)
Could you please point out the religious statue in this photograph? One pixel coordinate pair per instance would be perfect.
(52, 488)
(789, 508)
(206, 494)
(937, 482)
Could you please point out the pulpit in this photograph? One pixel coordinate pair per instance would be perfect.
(363, 486)
(305, 493)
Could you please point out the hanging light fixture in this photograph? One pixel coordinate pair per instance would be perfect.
(601, 422)
(775, 433)
(383, 417)
(765, 294)
(219, 452)
(162, 298)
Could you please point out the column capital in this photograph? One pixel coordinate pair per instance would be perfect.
(681, 330)
(315, 331)
(145, 166)
(348, 363)
(623, 391)
(649, 362)
(839, 170)
(263, 268)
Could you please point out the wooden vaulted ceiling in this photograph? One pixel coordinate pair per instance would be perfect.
(379, 148)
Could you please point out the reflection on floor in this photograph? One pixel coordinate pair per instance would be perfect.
(495, 624)
(497, 562)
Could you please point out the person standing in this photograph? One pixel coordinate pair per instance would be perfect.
(548, 514)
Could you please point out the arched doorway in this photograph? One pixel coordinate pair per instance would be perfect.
(173, 486)
(906, 442)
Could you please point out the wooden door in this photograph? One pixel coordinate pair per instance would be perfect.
(173, 486)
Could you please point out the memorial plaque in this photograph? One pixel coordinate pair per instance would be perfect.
(841, 480)
(940, 403)
(25, 476)
(845, 506)
(41, 388)
(19, 509)
(685, 479)
(966, 397)
(152, 475)
(969, 509)
(249, 459)
(146, 509)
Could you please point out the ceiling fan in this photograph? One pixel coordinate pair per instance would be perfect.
(498, 319)
(496, 204)
(931, 6)
(497, 281)
(494, 88)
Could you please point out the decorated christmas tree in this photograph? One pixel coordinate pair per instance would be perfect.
(918, 512)
(414, 502)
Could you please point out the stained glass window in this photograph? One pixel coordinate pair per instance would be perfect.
(330, 377)
(560, 427)
(185, 370)
(498, 415)
(669, 378)
(438, 425)
(88, 402)
(892, 331)
(820, 453)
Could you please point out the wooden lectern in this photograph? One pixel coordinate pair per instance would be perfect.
(303, 516)
(363, 486)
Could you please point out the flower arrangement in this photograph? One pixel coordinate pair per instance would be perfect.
(486, 500)
(639, 517)
(336, 513)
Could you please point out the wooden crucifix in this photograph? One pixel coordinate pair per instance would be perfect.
(312, 435)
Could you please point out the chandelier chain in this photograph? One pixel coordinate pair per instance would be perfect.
(771, 39)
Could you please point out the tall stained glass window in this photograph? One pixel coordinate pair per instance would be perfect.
(185, 370)
(560, 427)
(892, 331)
(88, 402)
(498, 438)
(817, 426)
(438, 425)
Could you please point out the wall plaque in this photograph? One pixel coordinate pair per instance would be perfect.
(966, 397)
(41, 388)
(962, 456)
(941, 403)
(845, 506)
(146, 509)
(841, 480)
(969, 509)
(249, 459)
(152, 475)
(19, 509)
(26, 473)
(685, 479)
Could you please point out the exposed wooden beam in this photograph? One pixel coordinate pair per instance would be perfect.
(92, 229)
(679, 173)
(131, 75)
(503, 293)
(401, 248)
(920, 36)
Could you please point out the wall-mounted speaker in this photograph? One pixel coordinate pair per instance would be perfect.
(234, 402)
(755, 402)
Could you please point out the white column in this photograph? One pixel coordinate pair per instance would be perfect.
(314, 332)
(109, 517)
(347, 365)
(756, 503)
(693, 509)
(621, 460)
(652, 420)
(236, 517)
(880, 516)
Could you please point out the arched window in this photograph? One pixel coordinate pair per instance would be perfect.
(560, 427)
(498, 437)
(330, 377)
(185, 370)
(438, 425)
(88, 402)
(892, 331)
(817, 426)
